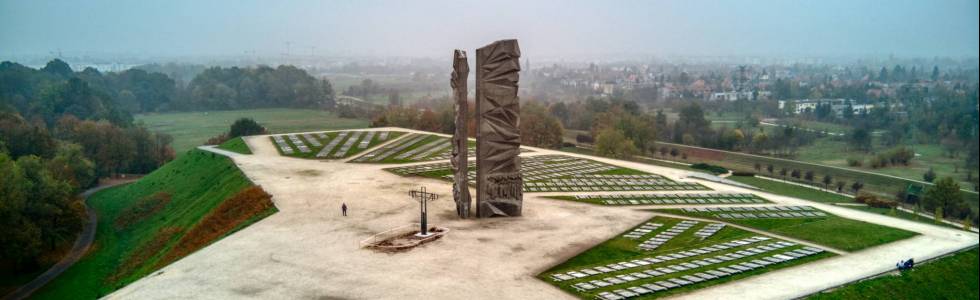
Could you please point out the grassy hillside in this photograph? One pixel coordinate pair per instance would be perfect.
(191, 129)
(236, 145)
(951, 277)
(172, 212)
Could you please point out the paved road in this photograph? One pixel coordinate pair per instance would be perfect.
(78, 250)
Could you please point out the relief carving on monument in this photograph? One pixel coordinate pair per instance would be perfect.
(498, 136)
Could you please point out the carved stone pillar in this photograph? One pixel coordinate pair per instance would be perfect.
(498, 137)
(461, 190)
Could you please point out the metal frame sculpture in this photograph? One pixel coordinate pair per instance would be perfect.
(498, 137)
(461, 190)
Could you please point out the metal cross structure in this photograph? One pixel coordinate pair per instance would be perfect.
(423, 197)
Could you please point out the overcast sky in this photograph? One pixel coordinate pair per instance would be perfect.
(545, 28)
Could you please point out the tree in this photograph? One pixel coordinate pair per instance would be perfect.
(20, 238)
(769, 169)
(758, 167)
(860, 139)
(71, 165)
(782, 172)
(945, 193)
(245, 127)
(795, 174)
(827, 180)
(612, 143)
(808, 175)
(929, 175)
(539, 128)
(857, 186)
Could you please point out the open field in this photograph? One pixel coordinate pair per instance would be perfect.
(951, 277)
(144, 226)
(191, 129)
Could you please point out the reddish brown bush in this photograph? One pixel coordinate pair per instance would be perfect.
(139, 257)
(226, 217)
(874, 201)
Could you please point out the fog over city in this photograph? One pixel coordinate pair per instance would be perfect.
(546, 29)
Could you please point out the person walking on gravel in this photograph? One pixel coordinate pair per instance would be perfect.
(343, 209)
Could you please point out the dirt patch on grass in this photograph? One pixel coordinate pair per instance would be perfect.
(226, 217)
(138, 258)
(142, 209)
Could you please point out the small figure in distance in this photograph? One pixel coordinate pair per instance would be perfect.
(343, 208)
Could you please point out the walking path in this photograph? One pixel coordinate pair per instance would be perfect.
(308, 250)
(78, 250)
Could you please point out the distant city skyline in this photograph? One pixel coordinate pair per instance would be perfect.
(558, 30)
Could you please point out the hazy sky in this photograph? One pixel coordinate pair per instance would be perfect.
(545, 28)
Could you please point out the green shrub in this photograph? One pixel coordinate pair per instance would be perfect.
(710, 168)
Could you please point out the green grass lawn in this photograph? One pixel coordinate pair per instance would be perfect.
(619, 249)
(791, 190)
(835, 152)
(236, 145)
(831, 231)
(128, 243)
(191, 129)
(951, 277)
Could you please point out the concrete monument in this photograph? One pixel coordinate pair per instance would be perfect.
(461, 190)
(498, 136)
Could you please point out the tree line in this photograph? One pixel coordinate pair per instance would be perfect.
(60, 131)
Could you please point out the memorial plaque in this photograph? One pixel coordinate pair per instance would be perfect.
(498, 137)
(461, 190)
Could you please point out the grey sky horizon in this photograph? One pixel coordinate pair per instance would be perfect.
(545, 28)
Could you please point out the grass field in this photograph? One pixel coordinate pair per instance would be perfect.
(143, 226)
(951, 277)
(831, 231)
(620, 248)
(236, 145)
(191, 129)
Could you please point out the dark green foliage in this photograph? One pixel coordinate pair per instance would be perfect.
(245, 127)
(236, 88)
(945, 194)
(38, 213)
(710, 168)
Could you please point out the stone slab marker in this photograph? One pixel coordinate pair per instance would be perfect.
(461, 190)
(498, 136)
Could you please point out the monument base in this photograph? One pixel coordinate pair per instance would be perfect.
(403, 238)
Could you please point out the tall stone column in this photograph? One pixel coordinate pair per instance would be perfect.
(461, 190)
(498, 137)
